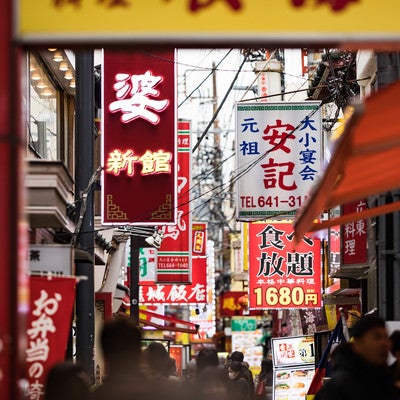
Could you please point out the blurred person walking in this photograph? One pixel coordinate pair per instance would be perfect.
(359, 367)
(395, 351)
(65, 381)
(240, 388)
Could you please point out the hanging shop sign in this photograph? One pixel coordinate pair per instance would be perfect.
(199, 240)
(281, 276)
(174, 256)
(194, 293)
(354, 235)
(48, 328)
(139, 138)
(199, 21)
(279, 156)
(55, 259)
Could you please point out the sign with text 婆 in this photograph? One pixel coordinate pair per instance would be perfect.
(211, 21)
(278, 155)
(281, 276)
(139, 138)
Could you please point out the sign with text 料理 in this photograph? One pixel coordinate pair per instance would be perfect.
(278, 156)
(281, 276)
(139, 138)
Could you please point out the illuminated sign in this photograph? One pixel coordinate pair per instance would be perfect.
(139, 138)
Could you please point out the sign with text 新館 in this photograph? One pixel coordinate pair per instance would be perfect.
(139, 138)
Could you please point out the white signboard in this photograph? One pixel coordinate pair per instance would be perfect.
(279, 155)
(51, 258)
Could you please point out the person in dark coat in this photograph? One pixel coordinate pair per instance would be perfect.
(239, 387)
(395, 350)
(359, 367)
(245, 371)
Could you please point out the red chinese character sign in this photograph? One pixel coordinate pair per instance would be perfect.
(278, 154)
(354, 236)
(281, 276)
(174, 255)
(139, 140)
(48, 328)
(199, 232)
(193, 293)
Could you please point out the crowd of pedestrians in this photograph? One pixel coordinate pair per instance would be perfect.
(359, 370)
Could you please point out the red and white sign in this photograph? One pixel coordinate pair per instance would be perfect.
(139, 141)
(174, 255)
(194, 293)
(279, 156)
(199, 232)
(49, 324)
(354, 236)
(279, 275)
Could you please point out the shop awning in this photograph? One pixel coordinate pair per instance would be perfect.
(149, 318)
(365, 162)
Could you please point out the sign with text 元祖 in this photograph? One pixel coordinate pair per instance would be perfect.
(139, 138)
(281, 276)
(278, 156)
(174, 255)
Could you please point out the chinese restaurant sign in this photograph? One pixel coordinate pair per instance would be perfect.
(193, 293)
(354, 236)
(48, 328)
(139, 140)
(174, 255)
(278, 155)
(279, 275)
(211, 21)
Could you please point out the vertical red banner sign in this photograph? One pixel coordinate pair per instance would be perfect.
(354, 236)
(48, 328)
(139, 141)
(281, 276)
(174, 255)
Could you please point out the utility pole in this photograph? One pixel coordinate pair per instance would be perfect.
(84, 253)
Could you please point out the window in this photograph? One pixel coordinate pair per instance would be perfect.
(44, 132)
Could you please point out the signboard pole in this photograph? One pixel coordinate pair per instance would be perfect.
(85, 239)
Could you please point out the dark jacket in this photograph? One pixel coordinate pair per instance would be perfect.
(354, 379)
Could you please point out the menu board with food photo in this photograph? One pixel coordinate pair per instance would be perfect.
(293, 350)
(292, 383)
(294, 365)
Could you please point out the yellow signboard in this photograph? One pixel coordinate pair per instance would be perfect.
(208, 21)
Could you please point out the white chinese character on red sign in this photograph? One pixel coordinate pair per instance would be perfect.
(135, 94)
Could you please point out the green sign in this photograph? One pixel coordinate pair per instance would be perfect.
(244, 324)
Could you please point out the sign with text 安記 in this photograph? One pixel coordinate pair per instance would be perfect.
(278, 156)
